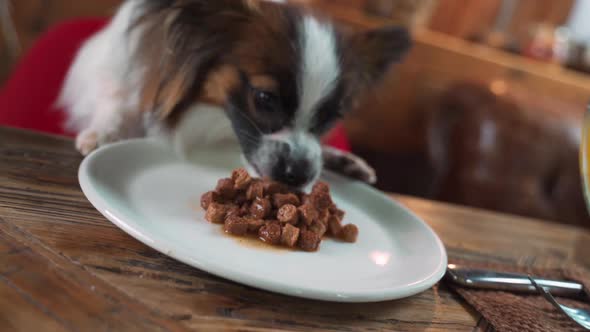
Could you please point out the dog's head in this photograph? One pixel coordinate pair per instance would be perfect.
(283, 75)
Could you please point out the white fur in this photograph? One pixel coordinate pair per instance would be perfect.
(320, 68)
(101, 94)
(203, 125)
(302, 146)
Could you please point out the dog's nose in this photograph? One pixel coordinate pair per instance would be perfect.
(292, 171)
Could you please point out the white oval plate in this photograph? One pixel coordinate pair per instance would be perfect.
(141, 187)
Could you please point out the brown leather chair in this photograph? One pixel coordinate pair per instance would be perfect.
(515, 153)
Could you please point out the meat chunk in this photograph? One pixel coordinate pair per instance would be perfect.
(225, 188)
(321, 201)
(233, 211)
(255, 224)
(308, 213)
(308, 241)
(349, 233)
(260, 208)
(323, 217)
(241, 179)
(279, 200)
(235, 225)
(289, 235)
(318, 228)
(305, 199)
(320, 196)
(270, 233)
(216, 213)
(273, 187)
(240, 198)
(256, 190)
(246, 205)
(208, 198)
(320, 187)
(334, 226)
(288, 214)
(335, 211)
(245, 209)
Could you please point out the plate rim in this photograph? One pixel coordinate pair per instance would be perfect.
(361, 296)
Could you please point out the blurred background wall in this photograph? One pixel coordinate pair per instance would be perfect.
(33, 17)
(485, 111)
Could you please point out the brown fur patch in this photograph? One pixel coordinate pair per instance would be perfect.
(219, 84)
(195, 51)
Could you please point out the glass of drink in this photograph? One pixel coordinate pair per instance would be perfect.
(585, 157)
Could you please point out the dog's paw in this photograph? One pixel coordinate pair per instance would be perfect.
(348, 165)
(90, 139)
(87, 141)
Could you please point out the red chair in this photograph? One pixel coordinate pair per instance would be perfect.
(28, 97)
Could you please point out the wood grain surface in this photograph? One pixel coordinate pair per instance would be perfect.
(64, 267)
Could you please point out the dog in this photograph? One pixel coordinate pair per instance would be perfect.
(270, 76)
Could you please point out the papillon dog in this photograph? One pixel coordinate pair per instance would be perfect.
(270, 76)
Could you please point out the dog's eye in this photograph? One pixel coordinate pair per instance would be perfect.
(265, 101)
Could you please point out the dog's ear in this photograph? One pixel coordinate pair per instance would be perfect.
(179, 47)
(368, 54)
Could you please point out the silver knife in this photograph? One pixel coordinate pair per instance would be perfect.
(486, 279)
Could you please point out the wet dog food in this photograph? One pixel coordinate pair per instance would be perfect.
(247, 206)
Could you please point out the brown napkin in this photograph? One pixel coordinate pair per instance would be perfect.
(517, 312)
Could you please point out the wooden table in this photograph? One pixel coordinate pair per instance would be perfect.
(63, 267)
